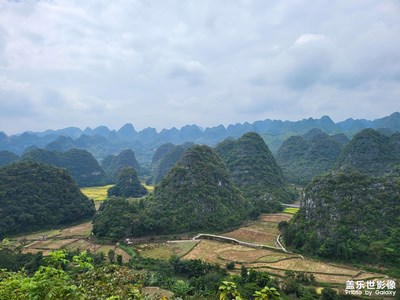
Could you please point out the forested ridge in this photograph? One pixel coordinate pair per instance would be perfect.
(254, 169)
(371, 152)
(196, 194)
(113, 164)
(128, 184)
(34, 196)
(310, 155)
(349, 216)
(83, 167)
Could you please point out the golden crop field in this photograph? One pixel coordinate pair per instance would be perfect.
(149, 188)
(97, 193)
(291, 210)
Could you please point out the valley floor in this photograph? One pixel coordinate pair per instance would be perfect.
(263, 231)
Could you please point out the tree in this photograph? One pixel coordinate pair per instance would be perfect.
(111, 255)
(228, 291)
(266, 294)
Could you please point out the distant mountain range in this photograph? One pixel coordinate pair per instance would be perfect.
(102, 141)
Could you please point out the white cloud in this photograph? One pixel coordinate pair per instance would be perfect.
(309, 38)
(169, 63)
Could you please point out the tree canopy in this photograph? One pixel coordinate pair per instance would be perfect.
(34, 196)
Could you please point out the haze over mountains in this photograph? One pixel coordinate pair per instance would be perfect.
(102, 141)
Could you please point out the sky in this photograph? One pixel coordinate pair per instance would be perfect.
(169, 63)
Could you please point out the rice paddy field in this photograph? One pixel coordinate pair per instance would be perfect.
(166, 250)
(264, 231)
(291, 210)
(97, 193)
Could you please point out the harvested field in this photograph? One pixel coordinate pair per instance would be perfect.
(166, 250)
(276, 217)
(251, 235)
(32, 250)
(39, 235)
(79, 230)
(332, 279)
(263, 231)
(208, 251)
(246, 255)
(275, 257)
(306, 265)
(104, 248)
(53, 244)
(80, 245)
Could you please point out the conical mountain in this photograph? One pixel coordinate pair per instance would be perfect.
(304, 157)
(370, 152)
(34, 196)
(83, 167)
(196, 195)
(128, 185)
(112, 164)
(7, 157)
(254, 169)
(349, 216)
(169, 158)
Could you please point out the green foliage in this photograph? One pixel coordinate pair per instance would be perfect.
(33, 196)
(304, 157)
(230, 265)
(82, 166)
(7, 157)
(329, 294)
(61, 279)
(266, 294)
(371, 152)
(114, 217)
(113, 165)
(16, 261)
(128, 185)
(349, 216)
(165, 157)
(255, 171)
(228, 291)
(197, 194)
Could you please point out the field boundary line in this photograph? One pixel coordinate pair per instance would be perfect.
(235, 241)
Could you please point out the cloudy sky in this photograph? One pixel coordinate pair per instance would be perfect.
(165, 63)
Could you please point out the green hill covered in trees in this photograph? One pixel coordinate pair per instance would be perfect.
(82, 166)
(349, 216)
(7, 157)
(113, 164)
(371, 152)
(128, 185)
(197, 194)
(34, 196)
(254, 169)
(310, 155)
(165, 157)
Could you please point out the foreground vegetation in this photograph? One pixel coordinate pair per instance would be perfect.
(65, 275)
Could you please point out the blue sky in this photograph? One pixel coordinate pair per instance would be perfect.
(170, 63)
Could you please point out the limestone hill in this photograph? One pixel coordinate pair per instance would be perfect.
(34, 196)
(254, 169)
(82, 166)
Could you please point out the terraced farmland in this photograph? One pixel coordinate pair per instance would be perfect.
(264, 231)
